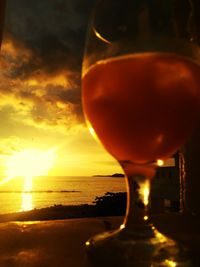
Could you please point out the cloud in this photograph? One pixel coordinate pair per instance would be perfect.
(41, 61)
(52, 97)
(53, 30)
(9, 145)
(40, 94)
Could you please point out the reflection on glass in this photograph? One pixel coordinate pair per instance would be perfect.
(171, 263)
(160, 237)
(146, 218)
(98, 35)
(160, 162)
(144, 192)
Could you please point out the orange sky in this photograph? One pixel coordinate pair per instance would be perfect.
(40, 87)
(35, 115)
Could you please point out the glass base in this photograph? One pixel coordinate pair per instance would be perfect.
(145, 247)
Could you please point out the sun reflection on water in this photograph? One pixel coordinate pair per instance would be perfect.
(28, 163)
(27, 199)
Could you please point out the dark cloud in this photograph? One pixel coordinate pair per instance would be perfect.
(48, 55)
(60, 94)
(70, 96)
(44, 40)
(53, 30)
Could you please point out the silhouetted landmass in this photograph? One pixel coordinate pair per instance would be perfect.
(118, 175)
(111, 204)
(112, 175)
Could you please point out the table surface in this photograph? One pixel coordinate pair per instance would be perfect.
(61, 242)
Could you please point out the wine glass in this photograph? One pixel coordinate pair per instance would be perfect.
(141, 99)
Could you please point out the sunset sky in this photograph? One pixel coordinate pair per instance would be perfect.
(40, 102)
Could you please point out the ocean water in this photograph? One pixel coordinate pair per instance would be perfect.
(49, 191)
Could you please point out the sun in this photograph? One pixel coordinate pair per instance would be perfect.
(30, 163)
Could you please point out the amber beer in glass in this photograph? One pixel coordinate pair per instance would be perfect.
(116, 90)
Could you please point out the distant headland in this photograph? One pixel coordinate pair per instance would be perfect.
(115, 175)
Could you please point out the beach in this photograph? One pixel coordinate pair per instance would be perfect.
(110, 204)
(49, 191)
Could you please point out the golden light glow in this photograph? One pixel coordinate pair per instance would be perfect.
(146, 194)
(5, 180)
(27, 201)
(30, 162)
(170, 263)
(144, 191)
(92, 131)
(160, 162)
(146, 218)
(122, 226)
(32, 82)
(87, 243)
(58, 79)
(40, 108)
(160, 236)
(45, 79)
(159, 239)
(28, 183)
(98, 35)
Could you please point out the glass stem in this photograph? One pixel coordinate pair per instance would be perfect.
(180, 172)
(138, 180)
(137, 199)
(182, 176)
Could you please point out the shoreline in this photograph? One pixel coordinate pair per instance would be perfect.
(110, 204)
(55, 212)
